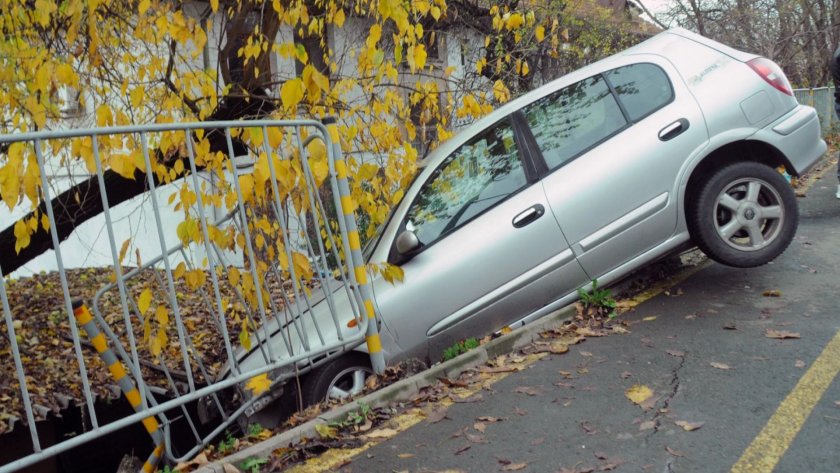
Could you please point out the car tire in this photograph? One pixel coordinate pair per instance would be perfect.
(342, 377)
(745, 215)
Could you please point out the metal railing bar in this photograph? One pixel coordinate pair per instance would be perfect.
(21, 375)
(252, 257)
(171, 289)
(283, 229)
(313, 189)
(68, 304)
(106, 210)
(210, 258)
(152, 128)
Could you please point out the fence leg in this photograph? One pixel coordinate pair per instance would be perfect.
(374, 343)
(120, 375)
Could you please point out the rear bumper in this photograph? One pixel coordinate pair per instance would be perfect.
(797, 135)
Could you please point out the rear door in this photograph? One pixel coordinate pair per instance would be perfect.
(614, 145)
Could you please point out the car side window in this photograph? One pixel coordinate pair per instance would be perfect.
(573, 119)
(641, 88)
(472, 179)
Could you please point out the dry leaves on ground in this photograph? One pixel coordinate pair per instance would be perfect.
(529, 390)
(638, 393)
(780, 334)
(720, 366)
(689, 426)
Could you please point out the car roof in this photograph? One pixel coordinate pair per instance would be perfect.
(659, 44)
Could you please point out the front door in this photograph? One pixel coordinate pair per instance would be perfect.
(491, 251)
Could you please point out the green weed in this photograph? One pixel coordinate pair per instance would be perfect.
(459, 348)
(597, 301)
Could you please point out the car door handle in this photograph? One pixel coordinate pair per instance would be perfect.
(673, 130)
(529, 215)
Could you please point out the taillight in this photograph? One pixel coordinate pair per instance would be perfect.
(772, 73)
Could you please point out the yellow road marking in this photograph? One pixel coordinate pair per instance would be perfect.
(767, 448)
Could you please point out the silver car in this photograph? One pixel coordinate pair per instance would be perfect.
(675, 141)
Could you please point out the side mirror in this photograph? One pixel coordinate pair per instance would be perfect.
(407, 243)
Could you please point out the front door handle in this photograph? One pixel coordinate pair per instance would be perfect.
(529, 215)
(673, 130)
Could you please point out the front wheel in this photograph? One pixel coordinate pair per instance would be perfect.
(745, 215)
(338, 379)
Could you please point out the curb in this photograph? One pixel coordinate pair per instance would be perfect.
(401, 390)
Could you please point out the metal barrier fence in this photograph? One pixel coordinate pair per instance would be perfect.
(196, 324)
(822, 99)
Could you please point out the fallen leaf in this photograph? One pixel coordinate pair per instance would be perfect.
(519, 411)
(372, 382)
(689, 426)
(588, 428)
(480, 426)
(799, 364)
(476, 438)
(626, 374)
(588, 332)
(676, 353)
(405, 455)
(459, 432)
(199, 460)
(465, 400)
(772, 293)
(720, 366)
(647, 425)
(490, 419)
(514, 467)
(453, 384)
(382, 434)
(325, 431)
(585, 353)
(576, 469)
(650, 318)
(555, 348)
(228, 468)
(566, 374)
(529, 390)
(780, 334)
(463, 449)
(258, 384)
(619, 329)
(730, 326)
(433, 416)
(638, 393)
(498, 369)
(673, 452)
(561, 384)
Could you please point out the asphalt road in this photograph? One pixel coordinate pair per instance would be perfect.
(761, 404)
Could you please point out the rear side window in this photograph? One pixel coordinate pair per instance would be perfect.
(574, 119)
(642, 89)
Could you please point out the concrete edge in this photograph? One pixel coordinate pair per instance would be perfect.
(402, 390)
